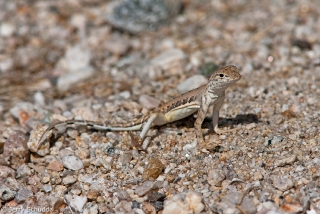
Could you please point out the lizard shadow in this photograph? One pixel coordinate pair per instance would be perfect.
(242, 119)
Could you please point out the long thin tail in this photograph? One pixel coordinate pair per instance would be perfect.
(92, 125)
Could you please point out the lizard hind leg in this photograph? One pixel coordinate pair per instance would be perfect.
(155, 119)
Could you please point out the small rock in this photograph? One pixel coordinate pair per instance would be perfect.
(148, 208)
(23, 171)
(23, 194)
(234, 197)
(158, 205)
(69, 180)
(215, 177)
(117, 45)
(6, 172)
(248, 206)
(192, 82)
(6, 194)
(257, 176)
(47, 187)
(183, 203)
(277, 119)
(72, 162)
(302, 44)
(169, 61)
(286, 161)
(123, 195)
(76, 63)
(273, 140)
(291, 208)
(55, 202)
(125, 158)
(15, 150)
(69, 79)
(6, 64)
(289, 114)
(123, 207)
(300, 168)
(153, 169)
(78, 202)
(7, 29)
(154, 196)
(266, 207)
(148, 102)
(55, 166)
(140, 15)
(282, 184)
(147, 186)
(251, 126)
(93, 194)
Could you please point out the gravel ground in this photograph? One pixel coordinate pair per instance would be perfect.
(69, 59)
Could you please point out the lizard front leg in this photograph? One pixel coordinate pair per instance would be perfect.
(200, 117)
(215, 118)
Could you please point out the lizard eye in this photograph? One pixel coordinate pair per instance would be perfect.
(221, 75)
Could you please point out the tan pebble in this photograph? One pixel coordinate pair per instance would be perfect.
(148, 208)
(153, 169)
(55, 166)
(93, 194)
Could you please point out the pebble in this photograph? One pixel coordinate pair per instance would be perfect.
(47, 187)
(55, 166)
(286, 161)
(23, 194)
(123, 207)
(23, 171)
(153, 169)
(93, 194)
(15, 151)
(267, 207)
(69, 180)
(148, 208)
(7, 29)
(78, 203)
(154, 196)
(192, 82)
(248, 206)
(282, 183)
(76, 63)
(6, 171)
(148, 102)
(6, 193)
(117, 45)
(215, 177)
(125, 158)
(69, 79)
(147, 186)
(6, 64)
(184, 203)
(140, 15)
(72, 162)
(169, 61)
(273, 140)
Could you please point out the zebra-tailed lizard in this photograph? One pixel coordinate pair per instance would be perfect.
(197, 100)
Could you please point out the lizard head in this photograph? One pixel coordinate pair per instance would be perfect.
(224, 77)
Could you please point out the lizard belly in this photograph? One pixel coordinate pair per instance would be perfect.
(180, 113)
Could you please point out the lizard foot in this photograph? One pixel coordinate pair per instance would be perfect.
(136, 141)
(223, 131)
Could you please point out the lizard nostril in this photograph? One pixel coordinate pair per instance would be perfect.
(221, 75)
